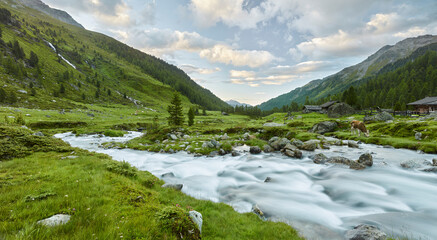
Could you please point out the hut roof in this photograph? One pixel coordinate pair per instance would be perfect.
(425, 101)
(313, 107)
(328, 104)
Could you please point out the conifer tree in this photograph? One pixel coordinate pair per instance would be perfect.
(190, 117)
(176, 117)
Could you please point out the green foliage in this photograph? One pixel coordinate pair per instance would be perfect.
(122, 168)
(176, 117)
(19, 119)
(113, 133)
(41, 196)
(17, 50)
(176, 221)
(190, 117)
(19, 142)
(33, 60)
(5, 16)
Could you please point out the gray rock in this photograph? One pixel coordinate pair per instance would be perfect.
(340, 109)
(246, 136)
(39, 134)
(414, 163)
(257, 211)
(176, 186)
(173, 136)
(309, 146)
(324, 127)
(224, 137)
(320, 158)
(22, 91)
(213, 154)
(171, 151)
(433, 169)
(267, 148)
(215, 143)
(255, 150)
(298, 143)
(208, 145)
(90, 115)
(434, 162)
(268, 179)
(169, 174)
(418, 136)
(380, 117)
(289, 153)
(365, 232)
(339, 160)
(221, 152)
(290, 146)
(55, 220)
(366, 159)
(197, 219)
(235, 153)
(272, 124)
(279, 143)
(352, 144)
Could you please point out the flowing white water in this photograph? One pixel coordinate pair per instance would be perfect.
(321, 201)
(62, 57)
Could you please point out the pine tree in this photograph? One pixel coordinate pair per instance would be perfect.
(33, 60)
(176, 117)
(62, 89)
(190, 117)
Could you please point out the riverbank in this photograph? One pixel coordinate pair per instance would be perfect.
(105, 199)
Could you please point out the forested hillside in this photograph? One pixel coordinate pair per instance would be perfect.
(387, 58)
(415, 80)
(50, 64)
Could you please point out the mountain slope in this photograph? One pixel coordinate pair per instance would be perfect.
(55, 13)
(234, 103)
(342, 80)
(83, 66)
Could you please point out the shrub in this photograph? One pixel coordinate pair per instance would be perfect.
(113, 133)
(122, 168)
(175, 220)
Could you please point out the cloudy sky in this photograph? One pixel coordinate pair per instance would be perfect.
(254, 50)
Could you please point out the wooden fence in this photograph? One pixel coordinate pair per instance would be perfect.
(408, 113)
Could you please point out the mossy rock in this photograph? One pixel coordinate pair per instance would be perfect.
(177, 222)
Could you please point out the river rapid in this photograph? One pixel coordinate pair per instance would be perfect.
(320, 201)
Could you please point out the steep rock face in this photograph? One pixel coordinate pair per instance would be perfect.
(55, 13)
(342, 80)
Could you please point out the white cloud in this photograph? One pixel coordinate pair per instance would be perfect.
(383, 23)
(225, 54)
(412, 32)
(193, 69)
(242, 74)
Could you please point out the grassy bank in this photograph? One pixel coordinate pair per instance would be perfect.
(106, 199)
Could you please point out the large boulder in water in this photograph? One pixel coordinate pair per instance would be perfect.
(380, 117)
(340, 110)
(324, 127)
(366, 159)
(320, 158)
(365, 232)
(255, 150)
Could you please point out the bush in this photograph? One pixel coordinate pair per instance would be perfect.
(113, 133)
(122, 168)
(177, 222)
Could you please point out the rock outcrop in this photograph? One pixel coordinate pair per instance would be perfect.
(324, 127)
(380, 117)
(365, 232)
(340, 110)
(55, 220)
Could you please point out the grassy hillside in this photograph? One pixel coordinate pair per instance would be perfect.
(105, 70)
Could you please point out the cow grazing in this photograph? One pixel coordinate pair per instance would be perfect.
(360, 127)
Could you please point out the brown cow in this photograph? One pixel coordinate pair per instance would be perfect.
(360, 127)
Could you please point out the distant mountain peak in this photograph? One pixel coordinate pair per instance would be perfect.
(235, 103)
(55, 13)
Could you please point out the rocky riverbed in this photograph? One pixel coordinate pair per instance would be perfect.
(323, 199)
